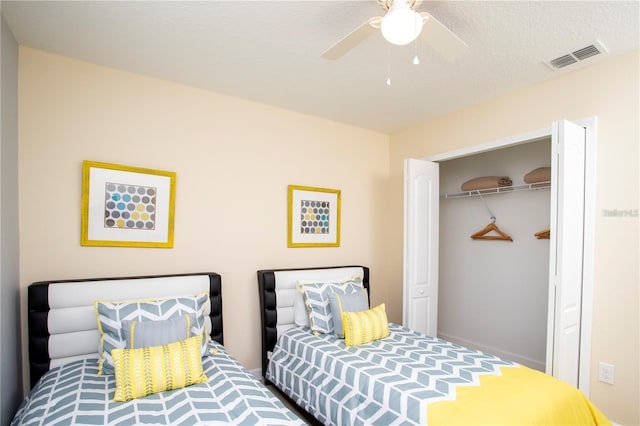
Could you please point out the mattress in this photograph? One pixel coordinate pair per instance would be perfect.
(74, 394)
(411, 378)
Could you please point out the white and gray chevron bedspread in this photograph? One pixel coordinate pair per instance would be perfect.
(73, 395)
(386, 382)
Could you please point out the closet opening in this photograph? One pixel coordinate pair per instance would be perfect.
(569, 234)
(493, 269)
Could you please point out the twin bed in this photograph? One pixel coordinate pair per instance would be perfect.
(404, 377)
(64, 358)
(391, 375)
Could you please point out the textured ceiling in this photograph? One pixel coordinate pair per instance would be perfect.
(269, 51)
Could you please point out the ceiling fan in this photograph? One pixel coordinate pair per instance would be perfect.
(402, 25)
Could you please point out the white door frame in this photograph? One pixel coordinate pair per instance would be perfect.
(590, 125)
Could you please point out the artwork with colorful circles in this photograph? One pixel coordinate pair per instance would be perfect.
(130, 206)
(314, 217)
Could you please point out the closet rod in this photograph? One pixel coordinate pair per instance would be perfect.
(499, 190)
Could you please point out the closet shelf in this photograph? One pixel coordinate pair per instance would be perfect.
(499, 190)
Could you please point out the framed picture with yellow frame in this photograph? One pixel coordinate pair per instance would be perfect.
(125, 206)
(313, 217)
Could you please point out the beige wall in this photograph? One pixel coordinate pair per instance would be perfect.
(233, 159)
(609, 90)
(10, 359)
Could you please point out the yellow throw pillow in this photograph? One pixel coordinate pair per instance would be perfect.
(144, 371)
(365, 326)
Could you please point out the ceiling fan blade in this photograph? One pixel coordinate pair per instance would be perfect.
(352, 39)
(443, 41)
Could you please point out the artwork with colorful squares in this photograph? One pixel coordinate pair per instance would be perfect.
(129, 206)
(314, 217)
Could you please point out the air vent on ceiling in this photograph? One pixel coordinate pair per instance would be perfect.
(594, 49)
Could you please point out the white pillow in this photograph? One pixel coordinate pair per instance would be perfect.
(300, 315)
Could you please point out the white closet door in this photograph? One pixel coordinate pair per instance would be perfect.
(566, 250)
(421, 207)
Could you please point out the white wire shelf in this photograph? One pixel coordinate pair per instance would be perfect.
(499, 190)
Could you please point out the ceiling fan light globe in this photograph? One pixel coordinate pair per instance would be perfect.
(401, 26)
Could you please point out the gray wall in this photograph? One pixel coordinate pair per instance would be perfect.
(10, 358)
(493, 294)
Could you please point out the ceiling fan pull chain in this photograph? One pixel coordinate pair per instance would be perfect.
(416, 61)
(388, 66)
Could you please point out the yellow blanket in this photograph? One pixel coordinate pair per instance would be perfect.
(520, 396)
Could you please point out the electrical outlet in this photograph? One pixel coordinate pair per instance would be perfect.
(606, 373)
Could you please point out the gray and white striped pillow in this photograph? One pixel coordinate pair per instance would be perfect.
(316, 299)
(110, 316)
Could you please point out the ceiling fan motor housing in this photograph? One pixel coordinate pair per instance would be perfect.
(401, 25)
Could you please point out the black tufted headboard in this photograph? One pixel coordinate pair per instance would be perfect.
(62, 323)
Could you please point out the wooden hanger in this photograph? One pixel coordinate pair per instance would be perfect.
(543, 235)
(481, 235)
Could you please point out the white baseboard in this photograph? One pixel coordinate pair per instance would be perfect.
(257, 372)
(520, 359)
